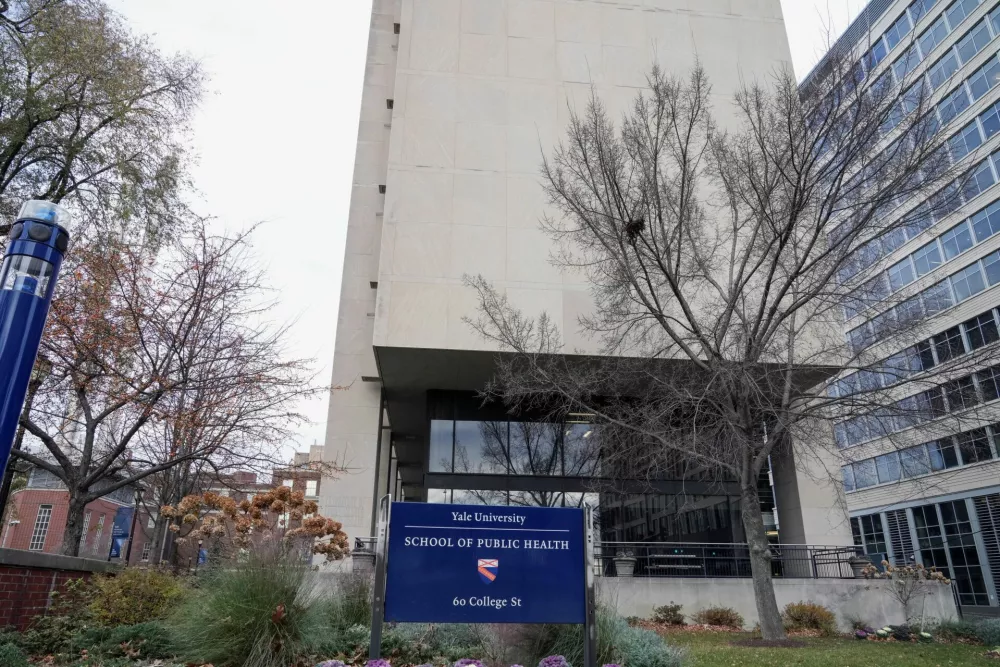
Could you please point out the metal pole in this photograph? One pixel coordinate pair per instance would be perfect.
(378, 591)
(590, 624)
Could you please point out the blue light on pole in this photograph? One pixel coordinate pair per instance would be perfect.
(38, 241)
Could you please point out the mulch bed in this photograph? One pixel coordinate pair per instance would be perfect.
(757, 642)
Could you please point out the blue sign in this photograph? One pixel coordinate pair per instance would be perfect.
(120, 531)
(475, 564)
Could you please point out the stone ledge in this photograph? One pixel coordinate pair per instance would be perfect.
(43, 561)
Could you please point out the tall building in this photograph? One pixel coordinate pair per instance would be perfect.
(930, 493)
(461, 99)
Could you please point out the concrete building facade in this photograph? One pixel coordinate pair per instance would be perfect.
(930, 493)
(461, 100)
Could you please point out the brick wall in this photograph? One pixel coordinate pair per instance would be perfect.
(28, 578)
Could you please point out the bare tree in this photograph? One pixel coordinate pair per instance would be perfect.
(160, 359)
(720, 264)
(92, 115)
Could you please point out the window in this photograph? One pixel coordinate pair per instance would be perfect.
(943, 455)
(288, 482)
(865, 474)
(991, 264)
(953, 104)
(848, 473)
(41, 528)
(873, 533)
(949, 344)
(925, 353)
(984, 79)
(989, 383)
(919, 8)
(968, 282)
(975, 446)
(934, 35)
(956, 240)
(973, 42)
(965, 141)
(967, 574)
(914, 461)
(906, 63)
(961, 393)
(311, 487)
(875, 55)
(887, 466)
(986, 223)
(937, 298)
(909, 311)
(979, 182)
(442, 446)
(97, 534)
(941, 71)
(861, 337)
(897, 31)
(991, 121)
(982, 330)
(901, 274)
(930, 404)
(146, 548)
(927, 258)
(957, 11)
(995, 20)
(86, 527)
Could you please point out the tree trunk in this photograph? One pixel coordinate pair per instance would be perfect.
(158, 537)
(74, 526)
(771, 627)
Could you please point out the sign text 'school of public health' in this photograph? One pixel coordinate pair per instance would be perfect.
(474, 564)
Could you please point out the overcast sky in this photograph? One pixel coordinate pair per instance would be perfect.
(276, 133)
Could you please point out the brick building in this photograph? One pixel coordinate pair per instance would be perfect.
(38, 519)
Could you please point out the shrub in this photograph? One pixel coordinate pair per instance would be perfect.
(617, 643)
(988, 632)
(134, 596)
(858, 623)
(257, 613)
(349, 605)
(68, 615)
(956, 631)
(809, 616)
(645, 648)
(670, 614)
(12, 656)
(143, 641)
(723, 616)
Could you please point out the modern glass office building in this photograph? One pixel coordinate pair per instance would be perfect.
(931, 492)
(461, 98)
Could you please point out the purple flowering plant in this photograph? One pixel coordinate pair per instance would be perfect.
(554, 661)
(378, 663)
(468, 662)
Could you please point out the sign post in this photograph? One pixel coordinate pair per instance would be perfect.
(484, 564)
(378, 592)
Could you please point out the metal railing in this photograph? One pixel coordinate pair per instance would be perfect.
(663, 559)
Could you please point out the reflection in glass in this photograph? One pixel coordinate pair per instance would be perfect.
(581, 446)
(481, 447)
(473, 497)
(534, 448)
(442, 434)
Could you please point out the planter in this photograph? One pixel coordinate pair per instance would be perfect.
(363, 561)
(859, 565)
(624, 567)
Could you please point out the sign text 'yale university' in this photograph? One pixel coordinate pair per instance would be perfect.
(462, 564)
